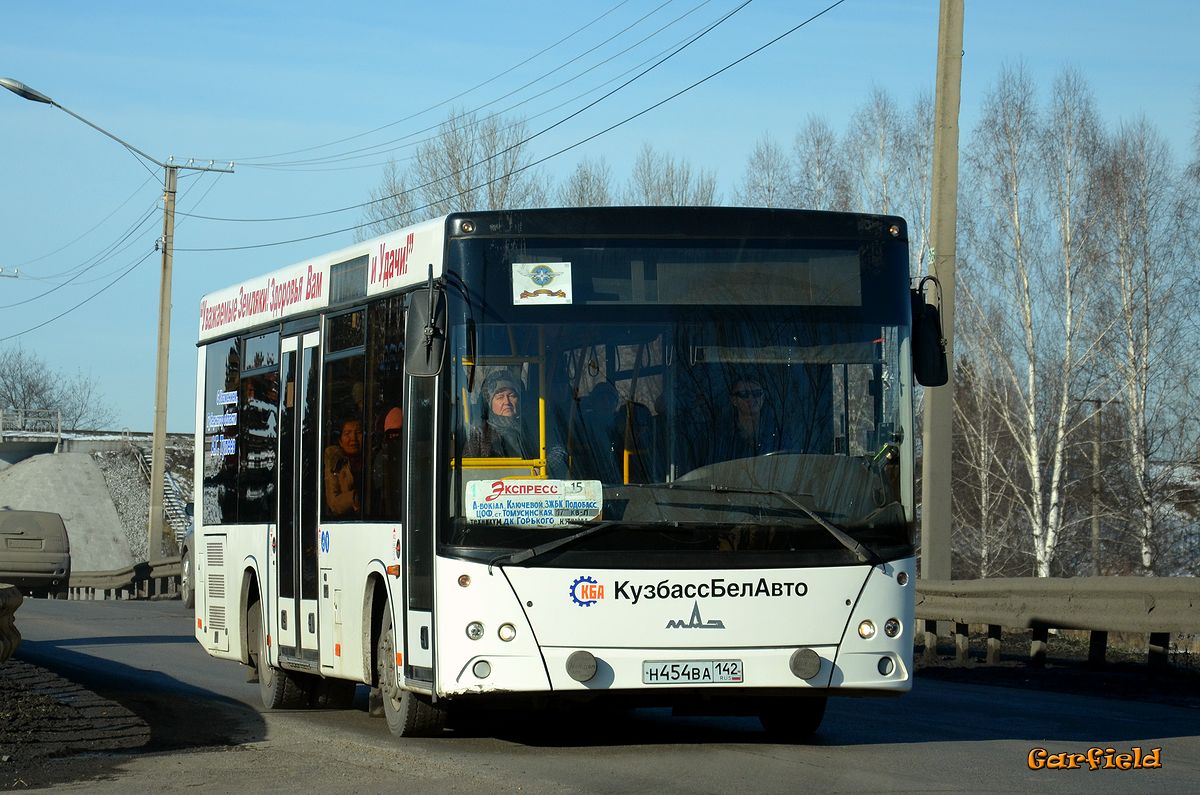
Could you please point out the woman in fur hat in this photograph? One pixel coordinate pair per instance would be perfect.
(501, 433)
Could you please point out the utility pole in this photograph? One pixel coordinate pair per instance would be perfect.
(156, 531)
(158, 448)
(937, 438)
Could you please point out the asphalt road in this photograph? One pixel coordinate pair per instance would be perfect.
(208, 730)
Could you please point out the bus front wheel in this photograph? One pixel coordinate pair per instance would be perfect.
(408, 714)
(793, 719)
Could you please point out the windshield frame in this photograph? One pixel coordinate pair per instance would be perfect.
(470, 312)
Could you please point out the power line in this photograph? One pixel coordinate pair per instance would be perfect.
(686, 43)
(123, 274)
(565, 149)
(81, 303)
(104, 255)
(376, 149)
(81, 235)
(461, 94)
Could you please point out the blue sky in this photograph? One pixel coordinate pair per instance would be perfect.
(233, 80)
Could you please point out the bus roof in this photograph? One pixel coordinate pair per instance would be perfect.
(305, 286)
(385, 261)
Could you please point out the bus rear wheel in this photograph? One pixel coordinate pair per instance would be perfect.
(278, 689)
(186, 592)
(408, 714)
(793, 719)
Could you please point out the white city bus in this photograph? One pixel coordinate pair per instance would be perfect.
(635, 456)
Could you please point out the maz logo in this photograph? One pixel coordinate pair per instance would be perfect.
(695, 621)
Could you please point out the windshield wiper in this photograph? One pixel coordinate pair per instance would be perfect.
(513, 558)
(864, 553)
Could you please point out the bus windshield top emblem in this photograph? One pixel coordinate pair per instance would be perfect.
(696, 622)
(541, 275)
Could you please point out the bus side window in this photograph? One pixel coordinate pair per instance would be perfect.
(384, 444)
(342, 457)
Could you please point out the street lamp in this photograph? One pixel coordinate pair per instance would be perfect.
(159, 444)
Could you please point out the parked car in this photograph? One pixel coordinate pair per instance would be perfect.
(187, 591)
(35, 553)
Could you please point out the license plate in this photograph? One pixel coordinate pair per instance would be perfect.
(698, 672)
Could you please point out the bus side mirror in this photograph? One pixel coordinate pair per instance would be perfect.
(928, 344)
(425, 332)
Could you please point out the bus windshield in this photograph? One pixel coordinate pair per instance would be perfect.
(688, 433)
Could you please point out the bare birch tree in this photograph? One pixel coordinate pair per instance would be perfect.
(1147, 270)
(821, 178)
(987, 540)
(874, 151)
(590, 185)
(916, 144)
(660, 179)
(767, 180)
(1032, 288)
(472, 163)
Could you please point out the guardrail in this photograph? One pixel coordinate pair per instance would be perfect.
(1153, 606)
(155, 580)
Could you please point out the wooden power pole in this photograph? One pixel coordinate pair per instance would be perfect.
(939, 401)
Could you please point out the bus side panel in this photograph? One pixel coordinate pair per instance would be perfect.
(227, 556)
(345, 620)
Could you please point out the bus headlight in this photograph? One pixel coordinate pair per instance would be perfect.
(866, 629)
(474, 630)
(891, 627)
(507, 632)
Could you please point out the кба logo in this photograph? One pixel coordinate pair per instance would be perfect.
(585, 591)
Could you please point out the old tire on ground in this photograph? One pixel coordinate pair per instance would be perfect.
(186, 592)
(279, 689)
(793, 719)
(408, 714)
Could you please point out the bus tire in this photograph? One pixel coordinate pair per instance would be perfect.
(408, 714)
(793, 719)
(333, 693)
(278, 689)
(186, 592)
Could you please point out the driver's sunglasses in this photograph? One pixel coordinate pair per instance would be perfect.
(745, 394)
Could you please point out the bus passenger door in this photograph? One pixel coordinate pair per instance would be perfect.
(296, 542)
(425, 479)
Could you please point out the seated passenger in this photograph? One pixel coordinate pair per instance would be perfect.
(388, 467)
(501, 433)
(343, 471)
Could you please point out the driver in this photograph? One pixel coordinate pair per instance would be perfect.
(754, 431)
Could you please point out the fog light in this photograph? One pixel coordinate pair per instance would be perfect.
(474, 630)
(581, 666)
(866, 629)
(902, 578)
(464, 580)
(507, 632)
(891, 627)
(886, 666)
(482, 669)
